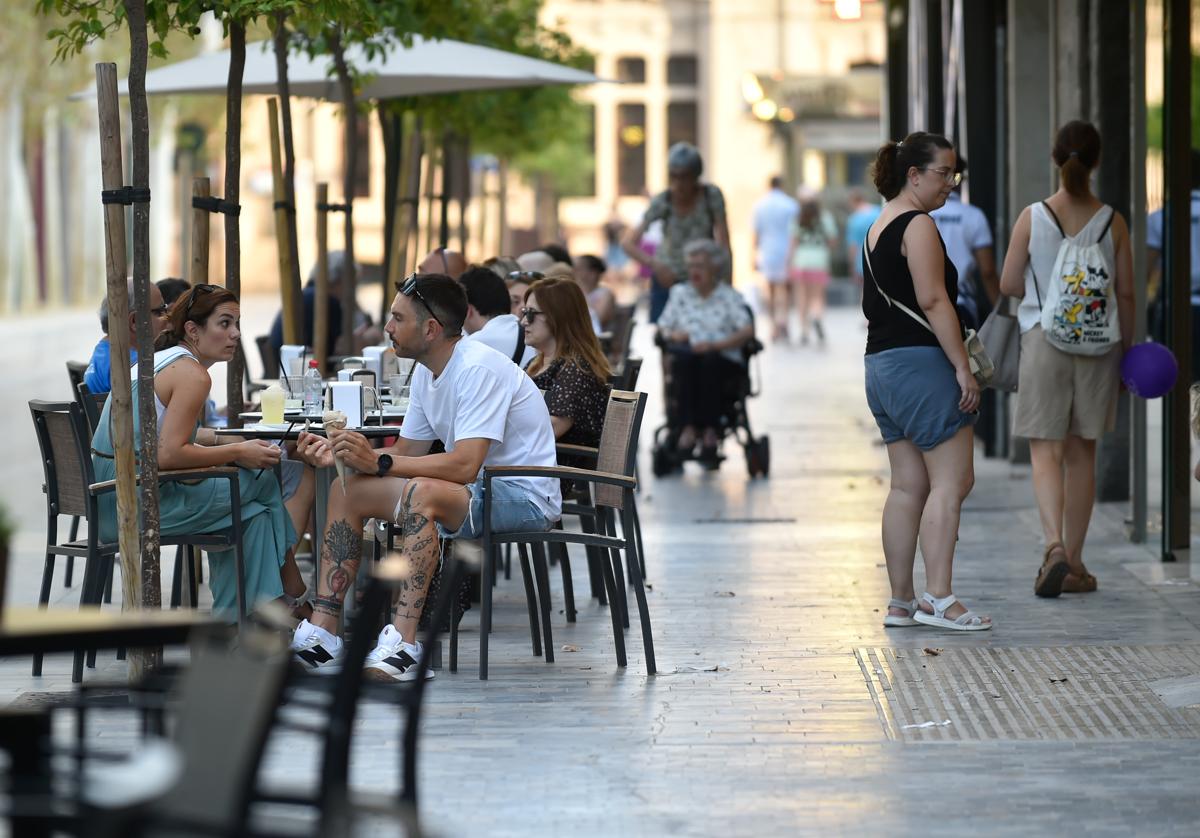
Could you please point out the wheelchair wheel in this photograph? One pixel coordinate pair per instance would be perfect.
(758, 457)
(662, 463)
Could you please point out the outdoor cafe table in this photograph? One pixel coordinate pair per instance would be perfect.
(28, 630)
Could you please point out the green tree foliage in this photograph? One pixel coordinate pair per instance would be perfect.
(1154, 113)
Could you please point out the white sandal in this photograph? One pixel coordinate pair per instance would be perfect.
(897, 621)
(967, 621)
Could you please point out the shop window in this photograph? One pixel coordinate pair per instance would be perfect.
(683, 70)
(631, 70)
(631, 149)
(682, 123)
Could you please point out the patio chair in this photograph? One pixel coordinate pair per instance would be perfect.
(71, 489)
(75, 372)
(337, 699)
(198, 782)
(621, 330)
(614, 489)
(92, 404)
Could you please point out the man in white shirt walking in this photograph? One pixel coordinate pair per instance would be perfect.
(487, 412)
(774, 215)
(968, 237)
(490, 320)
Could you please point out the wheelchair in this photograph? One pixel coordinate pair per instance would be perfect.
(734, 419)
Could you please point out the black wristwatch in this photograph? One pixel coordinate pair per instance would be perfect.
(383, 465)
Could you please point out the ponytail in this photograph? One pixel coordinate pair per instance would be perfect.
(1076, 153)
(893, 160)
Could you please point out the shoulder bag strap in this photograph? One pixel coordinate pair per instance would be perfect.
(882, 293)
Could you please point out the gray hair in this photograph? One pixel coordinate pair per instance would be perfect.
(104, 305)
(687, 157)
(337, 263)
(710, 249)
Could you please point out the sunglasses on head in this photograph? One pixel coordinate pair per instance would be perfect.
(196, 291)
(410, 289)
(526, 275)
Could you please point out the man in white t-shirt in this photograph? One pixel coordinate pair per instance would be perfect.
(968, 237)
(487, 412)
(774, 215)
(490, 320)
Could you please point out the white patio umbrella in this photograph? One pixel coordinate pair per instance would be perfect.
(426, 67)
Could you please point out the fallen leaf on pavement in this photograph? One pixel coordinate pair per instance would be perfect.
(1061, 680)
(933, 653)
(724, 593)
(569, 648)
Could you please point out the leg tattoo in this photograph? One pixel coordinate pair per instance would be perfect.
(339, 564)
(419, 543)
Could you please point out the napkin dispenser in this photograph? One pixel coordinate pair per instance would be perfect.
(347, 396)
(377, 361)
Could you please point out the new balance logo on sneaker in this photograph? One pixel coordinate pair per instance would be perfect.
(316, 649)
(393, 660)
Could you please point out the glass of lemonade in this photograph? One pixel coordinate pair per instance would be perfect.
(272, 405)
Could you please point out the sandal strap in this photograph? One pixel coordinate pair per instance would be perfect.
(907, 605)
(969, 618)
(939, 605)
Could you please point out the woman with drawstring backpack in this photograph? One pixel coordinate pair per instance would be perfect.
(1070, 263)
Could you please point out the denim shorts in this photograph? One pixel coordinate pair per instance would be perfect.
(512, 511)
(914, 395)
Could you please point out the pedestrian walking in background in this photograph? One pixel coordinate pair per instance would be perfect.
(918, 380)
(968, 238)
(688, 210)
(862, 215)
(814, 235)
(1071, 347)
(774, 215)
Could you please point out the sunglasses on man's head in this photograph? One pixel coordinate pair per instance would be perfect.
(410, 289)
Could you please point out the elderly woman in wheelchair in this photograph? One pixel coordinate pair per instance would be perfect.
(705, 332)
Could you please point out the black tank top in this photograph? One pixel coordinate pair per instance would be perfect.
(889, 327)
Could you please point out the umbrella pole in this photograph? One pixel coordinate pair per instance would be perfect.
(464, 192)
(121, 412)
(447, 169)
(502, 208)
(198, 264)
(430, 179)
(288, 294)
(321, 300)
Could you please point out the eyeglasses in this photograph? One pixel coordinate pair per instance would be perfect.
(948, 175)
(161, 311)
(410, 289)
(528, 315)
(526, 275)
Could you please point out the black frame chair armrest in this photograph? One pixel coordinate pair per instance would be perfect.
(174, 476)
(582, 451)
(586, 475)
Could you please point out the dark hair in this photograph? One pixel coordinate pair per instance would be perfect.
(486, 291)
(196, 306)
(776, 182)
(557, 252)
(1076, 152)
(172, 288)
(893, 160)
(592, 263)
(810, 215)
(444, 298)
(565, 308)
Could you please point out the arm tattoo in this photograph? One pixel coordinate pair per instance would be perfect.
(339, 564)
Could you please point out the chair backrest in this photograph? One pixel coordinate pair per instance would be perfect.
(228, 700)
(66, 457)
(93, 406)
(75, 371)
(618, 443)
(270, 357)
(627, 377)
(621, 327)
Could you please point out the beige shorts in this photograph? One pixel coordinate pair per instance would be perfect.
(1062, 394)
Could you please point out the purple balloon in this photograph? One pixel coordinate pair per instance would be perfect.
(1149, 370)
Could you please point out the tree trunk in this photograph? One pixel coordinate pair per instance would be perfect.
(197, 272)
(289, 298)
(233, 176)
(321, 298)
(139, 118)
(391, 128)
(121, 412)
(289, 166)
(350, 140)
(405, 228)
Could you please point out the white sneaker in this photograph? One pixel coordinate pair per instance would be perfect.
(317, 650)
(393, 659)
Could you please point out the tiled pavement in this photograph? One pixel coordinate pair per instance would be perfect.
(781, 708)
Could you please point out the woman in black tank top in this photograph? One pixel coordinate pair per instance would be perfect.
(918, 380)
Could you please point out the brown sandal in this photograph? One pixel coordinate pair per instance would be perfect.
(1053, 572)
(1075, 583)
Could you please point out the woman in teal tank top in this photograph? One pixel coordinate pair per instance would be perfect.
(203, 330)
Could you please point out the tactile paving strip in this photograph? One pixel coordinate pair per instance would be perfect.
(1075, 693)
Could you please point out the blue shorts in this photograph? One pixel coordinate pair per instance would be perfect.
(914, 395)
(513, 510)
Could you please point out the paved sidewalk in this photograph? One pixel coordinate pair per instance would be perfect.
(782, 706)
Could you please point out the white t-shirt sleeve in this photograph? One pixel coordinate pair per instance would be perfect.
(978, 233)
(1154, 230)
(483, 402)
